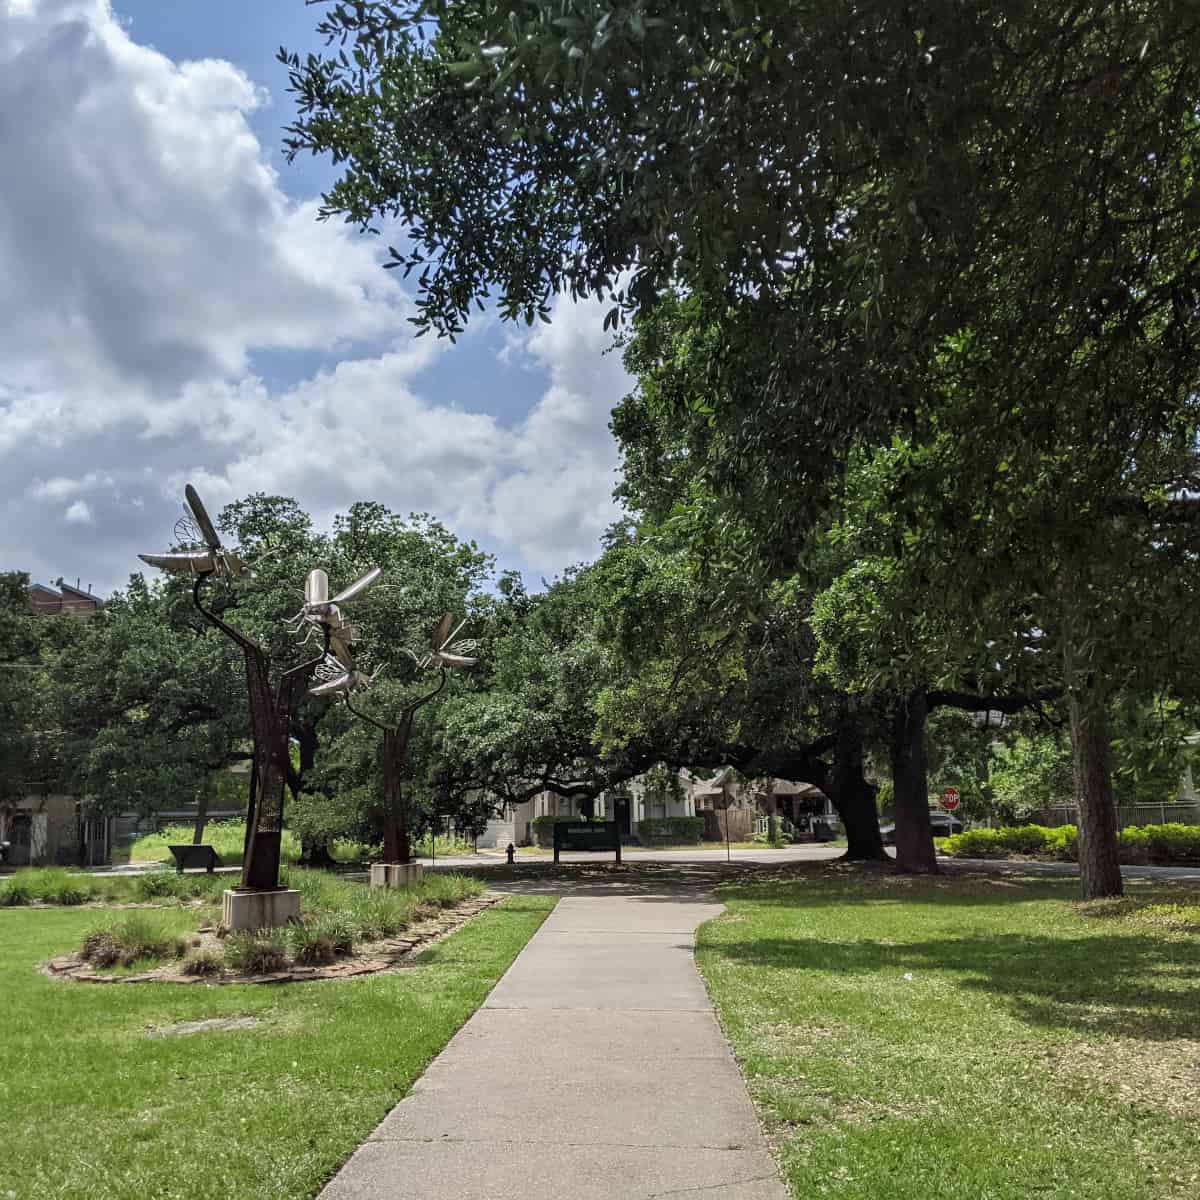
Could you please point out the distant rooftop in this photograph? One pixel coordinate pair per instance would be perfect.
(63, 598)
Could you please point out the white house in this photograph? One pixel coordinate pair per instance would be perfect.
(659, 795)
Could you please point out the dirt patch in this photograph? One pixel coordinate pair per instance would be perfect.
(368, 959)
(213, 1025)
(1160, 1076)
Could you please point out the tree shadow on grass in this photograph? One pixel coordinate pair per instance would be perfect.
(1092, 984)
(837, 884)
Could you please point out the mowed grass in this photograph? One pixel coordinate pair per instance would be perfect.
(95, 1105)
(966, 1037)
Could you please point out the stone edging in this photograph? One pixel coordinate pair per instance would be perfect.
(374, 958)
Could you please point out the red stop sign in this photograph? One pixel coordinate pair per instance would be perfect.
(950, 799)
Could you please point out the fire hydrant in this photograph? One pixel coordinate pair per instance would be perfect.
(510, 853)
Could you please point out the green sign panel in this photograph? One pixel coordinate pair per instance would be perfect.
(586, 835)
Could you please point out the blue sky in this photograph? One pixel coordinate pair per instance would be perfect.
(172, 310)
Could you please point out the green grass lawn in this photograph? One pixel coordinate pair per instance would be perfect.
(228, 839)
(965, 1037)
(95, 1105)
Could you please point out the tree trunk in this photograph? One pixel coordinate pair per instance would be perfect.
(910, 783)
(313, 852)
(1091, 753)
(306, 740)
(854, 798)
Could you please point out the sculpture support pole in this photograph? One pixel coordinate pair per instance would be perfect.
(397, 845)
(270, 714)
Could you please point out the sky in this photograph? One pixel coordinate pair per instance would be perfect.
(172, 310)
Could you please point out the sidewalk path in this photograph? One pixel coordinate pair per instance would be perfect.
(596, 1070)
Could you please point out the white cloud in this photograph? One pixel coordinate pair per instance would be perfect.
(150, 254)
(542, 487)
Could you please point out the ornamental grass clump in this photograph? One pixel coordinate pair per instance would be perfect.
(170, 885)
(338, 928)
(351, 912)
(14, 894)
(256, 952)
(310, 946)
(445, 891)
(53, 885)
(137, 937)
(383, 913)
(203, 962)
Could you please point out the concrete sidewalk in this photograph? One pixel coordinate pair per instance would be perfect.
(595, 1070)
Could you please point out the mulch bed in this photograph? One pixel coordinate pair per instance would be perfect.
(369, 959)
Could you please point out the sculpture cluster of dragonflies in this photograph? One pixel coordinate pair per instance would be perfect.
(201, 554)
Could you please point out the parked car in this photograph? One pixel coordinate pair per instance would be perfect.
(943, 823)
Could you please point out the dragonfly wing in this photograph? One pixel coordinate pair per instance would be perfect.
(199, 562)
(207, 529)
(340, 683)
(454, 661)
(358, 586)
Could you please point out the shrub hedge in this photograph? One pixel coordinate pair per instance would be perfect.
(1159, 845)
(671, 829)
(543, 827)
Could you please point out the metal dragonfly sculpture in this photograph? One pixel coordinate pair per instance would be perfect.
(202, 557)
(338, 674)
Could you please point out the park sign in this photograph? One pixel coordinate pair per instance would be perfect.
(586, 835)
(950, 799)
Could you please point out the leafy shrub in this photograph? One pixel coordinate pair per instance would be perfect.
(444, 845)
(256, 952)
(673, 829)
(203, 963)
(1165, 845)
(14, 894)
(1023, 839)
(1172, 844)
(543, 827)
(1062, 843)
(133, 938)
(156, 884)
(975, 843)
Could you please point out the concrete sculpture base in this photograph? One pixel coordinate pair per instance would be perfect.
(260, 910)
(396, 875)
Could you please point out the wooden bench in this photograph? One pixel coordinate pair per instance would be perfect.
(195, 856)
